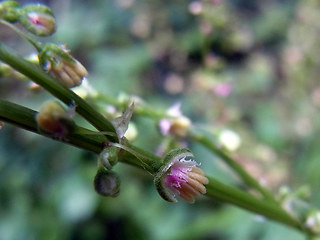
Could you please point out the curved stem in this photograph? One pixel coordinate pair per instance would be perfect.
(25, 36)
(241, 199)
(141, 109)
(250, 181)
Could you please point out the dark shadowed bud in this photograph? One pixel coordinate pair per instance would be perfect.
(58, 61)
(107, 183)
(180, 176)
(8, 11)
(38, 19)
(54, 118)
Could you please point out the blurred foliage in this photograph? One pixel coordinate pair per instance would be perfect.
(248, 66)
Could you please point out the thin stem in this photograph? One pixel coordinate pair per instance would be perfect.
(51, 85)
(141, 109)
(25, 36)
(229, 194)
(250, 181)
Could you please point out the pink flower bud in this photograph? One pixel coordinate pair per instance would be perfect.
(180, 176)
(42, 24)
(38, 19)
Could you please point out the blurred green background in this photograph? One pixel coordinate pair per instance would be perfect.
(246, 67)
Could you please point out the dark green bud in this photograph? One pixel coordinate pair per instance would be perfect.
(107, 183)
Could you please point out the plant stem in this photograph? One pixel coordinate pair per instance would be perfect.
(144, 110)
(85, 139)
(229, 194)
(250, 181)
(141, 109)
(91, 141)
(26, 118)
(25, 36)
(80, 137)
(51, 85)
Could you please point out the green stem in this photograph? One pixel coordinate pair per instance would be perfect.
(250, 181)
(229, 194)
(80, 137)
(88, 140)
(141, 109)
(26, 118)
(147, 111)
(25, 36)
(51, 85)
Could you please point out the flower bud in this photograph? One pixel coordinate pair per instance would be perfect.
(313, 221)
(180, 176)
(38, 19)
(62, 65)
(107, 183)
(176, 125)
(54, 118)
(8, 11)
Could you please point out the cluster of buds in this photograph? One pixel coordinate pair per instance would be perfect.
(39, 20)
(53, 118)
(57, 60)
(176, 124)
(180, 176)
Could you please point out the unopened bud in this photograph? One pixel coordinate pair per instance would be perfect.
(38, 19)
(180, 176)
(8, 11)
(62, 65)
(177, 127)
(107, 183)
(54, 118)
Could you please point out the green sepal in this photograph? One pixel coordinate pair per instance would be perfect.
(168, 160)
(53, 53)
(109, 156)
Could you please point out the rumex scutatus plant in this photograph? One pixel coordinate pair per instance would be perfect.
(177, 172)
